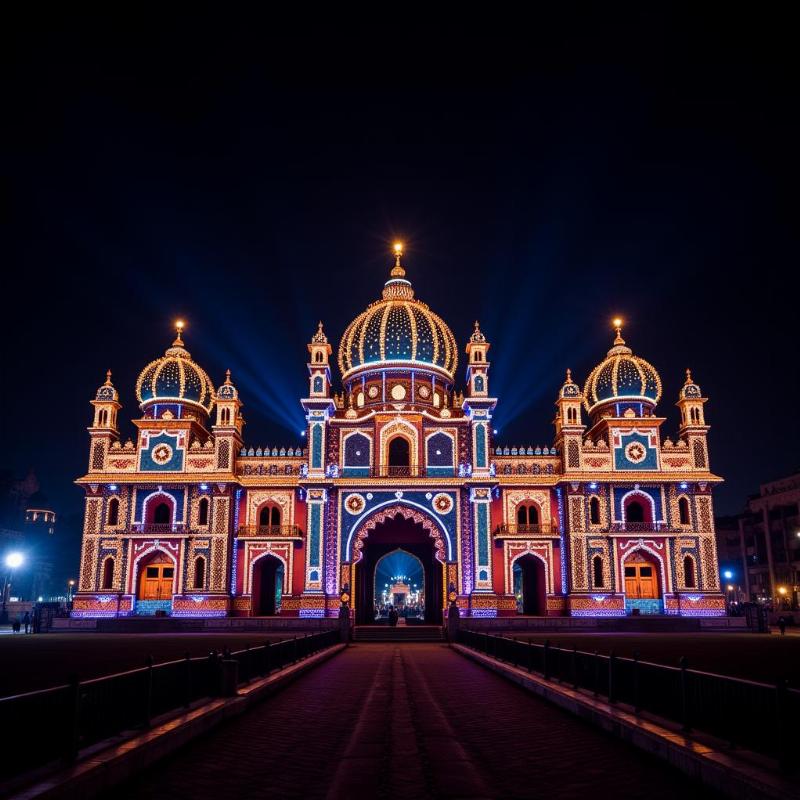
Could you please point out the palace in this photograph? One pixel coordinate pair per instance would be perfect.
(610, 520)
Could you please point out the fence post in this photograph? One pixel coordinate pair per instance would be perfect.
(530, 656)
(596, 672)
(612, 689)
(267, 659)
(187, 681)
(148, 708)
(575, 668)
(546, 659)
(637, 704)
(782, 725)
(686, 726)
(73, 740)
(246, 664)
(213, 688)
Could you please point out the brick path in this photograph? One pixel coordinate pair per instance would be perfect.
(406, 721)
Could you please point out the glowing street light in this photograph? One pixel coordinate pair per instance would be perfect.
(14, 560)
(728, 574)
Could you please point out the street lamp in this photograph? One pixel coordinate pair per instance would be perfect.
(70, 589)
(727, 574)
(13, 560)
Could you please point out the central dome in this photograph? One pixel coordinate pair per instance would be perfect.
(398, 330)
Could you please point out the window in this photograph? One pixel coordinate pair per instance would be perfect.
(202, 511)
(269, 517)
(683, 510)
(399, 452)
(688, 573)
(528, 515)
(360, 399)
(318, 357)
(597, 572)
(162, 514)
(108, 574)
(594, 511)
(634, 512)
(112, 518)
(199, 572)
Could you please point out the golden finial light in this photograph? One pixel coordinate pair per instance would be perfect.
(227, 376)
(397, 270)
(569, 376)
(689, 376)
(617, 323)
(179, 326)
(108, 377)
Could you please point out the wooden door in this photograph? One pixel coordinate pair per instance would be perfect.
(640, 580)
(155, 581)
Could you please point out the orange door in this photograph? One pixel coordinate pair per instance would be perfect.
(155, 582)
(640, 580)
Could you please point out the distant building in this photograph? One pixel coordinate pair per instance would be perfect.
(762, 545)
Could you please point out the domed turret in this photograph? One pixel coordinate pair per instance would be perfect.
(621, 377)
(398, 330)
(175, 379)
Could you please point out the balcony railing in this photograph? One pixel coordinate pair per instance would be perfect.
(640, 527)
(391, 471)
(269, 530)
(158, 527)
(526, 530)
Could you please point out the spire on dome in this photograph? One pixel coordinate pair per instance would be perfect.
(688, 377)
(227, 377)
(179, 326)
(619, 347)
(618, 328)
(477, 334)
(398, 287)
(397, 270)
(108, 378)
(319, 337)
(569, 376)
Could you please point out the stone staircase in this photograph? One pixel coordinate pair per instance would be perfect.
(400, 633)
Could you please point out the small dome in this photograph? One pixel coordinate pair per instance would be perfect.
(107, 392)
(621, 376)
(175, 378)
(398, 330)
(570, 388)
(690, 388)
(227, 391)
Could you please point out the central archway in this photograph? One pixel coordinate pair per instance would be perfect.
(390, 534)
(399, 584)
(268, 580)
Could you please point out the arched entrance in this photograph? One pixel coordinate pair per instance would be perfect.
(530, 585)
(399, 584)
(388, 536)
(156, 577)
(267, 587)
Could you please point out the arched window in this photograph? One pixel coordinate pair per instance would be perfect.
(103, 417)
(202, 511)
(360, 399)
(199, 572)
(688, 573)
(107, 581)
(162, 515)
(318, 357)
(269, 517)
(437, 400)
(263, 517)
(683, 510)
(112, 517)
(399, 452)
(275, 517)
(597, 572)
(528, 515)
(594, 511)
(634, 512)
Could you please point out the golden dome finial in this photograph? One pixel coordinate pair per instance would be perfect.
(569, 376)
(228, 377)
(689, 376)
(108, 377)
(397, 269)
(617, 323)
(179, 326)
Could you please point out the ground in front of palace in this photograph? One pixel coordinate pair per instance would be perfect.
(407, 721)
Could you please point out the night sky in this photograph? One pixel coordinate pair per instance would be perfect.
(250, 176)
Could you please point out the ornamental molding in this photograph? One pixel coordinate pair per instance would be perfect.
(392, 512)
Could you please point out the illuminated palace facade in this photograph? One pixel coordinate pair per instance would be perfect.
(188, 520)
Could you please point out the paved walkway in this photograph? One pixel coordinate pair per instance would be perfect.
(406, 721)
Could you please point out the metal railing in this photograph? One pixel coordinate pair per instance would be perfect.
(407, 471)
(53, 725)
(741, 712)
(521, 530)
(158, 527)
(269, 530)
(641, 527)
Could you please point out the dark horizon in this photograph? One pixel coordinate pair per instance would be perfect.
(642, 167)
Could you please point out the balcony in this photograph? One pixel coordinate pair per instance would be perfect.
(162, 528)
(269, 531)
(503, 531)
(641, 527)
